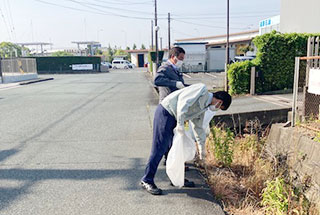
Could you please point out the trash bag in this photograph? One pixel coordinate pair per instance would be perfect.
(208, 115)
(183, 149)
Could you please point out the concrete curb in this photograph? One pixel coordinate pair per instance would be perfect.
(35, 81)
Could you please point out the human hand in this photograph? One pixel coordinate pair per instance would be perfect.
(179, 85)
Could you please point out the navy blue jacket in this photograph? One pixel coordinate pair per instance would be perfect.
(166, 78)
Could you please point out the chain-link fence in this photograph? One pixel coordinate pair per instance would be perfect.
(306, 93)
(17, 69)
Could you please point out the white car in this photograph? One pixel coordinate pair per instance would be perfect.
(109, 65)
(120, 64)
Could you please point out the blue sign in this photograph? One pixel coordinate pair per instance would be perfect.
(265, 23)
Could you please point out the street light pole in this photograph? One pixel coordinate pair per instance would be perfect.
(169, 40)
(152, 35)
(157, 28)
(227, 51)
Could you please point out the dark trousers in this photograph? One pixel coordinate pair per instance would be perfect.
(163, 125)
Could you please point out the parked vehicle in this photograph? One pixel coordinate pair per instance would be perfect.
(131, 65)
(242, 58)
(120, 64)
(109, 65)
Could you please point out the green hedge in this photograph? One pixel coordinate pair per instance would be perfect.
(239, 77)
(275, 61)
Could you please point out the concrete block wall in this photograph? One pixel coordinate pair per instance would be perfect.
(302, 156)
(18, 78)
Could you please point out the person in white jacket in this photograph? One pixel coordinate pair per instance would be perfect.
(189, 103)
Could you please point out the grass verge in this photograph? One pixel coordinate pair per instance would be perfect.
(246, 180)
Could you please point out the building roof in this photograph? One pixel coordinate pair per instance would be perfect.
(86, 42)
(231, 41)
(34, 44)
(217, 36)
(142, 50)
(137, 50)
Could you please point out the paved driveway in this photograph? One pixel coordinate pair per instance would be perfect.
(79, 145)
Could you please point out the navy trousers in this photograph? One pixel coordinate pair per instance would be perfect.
(163, 125)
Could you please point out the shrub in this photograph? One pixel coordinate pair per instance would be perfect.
(275, 197)
(222, 143)
(275, 62)
(239, 77)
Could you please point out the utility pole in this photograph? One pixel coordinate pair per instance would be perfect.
(169, 41)
(157, 29)
(1, 71)
(151, 34)
(227, 51)
(160, 43)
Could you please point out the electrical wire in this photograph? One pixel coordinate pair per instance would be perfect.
(125, 2)
(12, 28)
(94, 12)
(88, 4)
(198, 24)
(6, 24)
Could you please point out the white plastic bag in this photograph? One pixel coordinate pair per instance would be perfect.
(208, 115)
(183, 149)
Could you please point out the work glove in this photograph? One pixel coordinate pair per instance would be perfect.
(180, 129)
(179, 85)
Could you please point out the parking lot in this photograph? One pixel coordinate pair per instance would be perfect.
(213, 80)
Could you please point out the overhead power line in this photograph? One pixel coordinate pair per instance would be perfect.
(6, 24)
(90, 4)
(198, 24)
(118, 2)
(94, 12)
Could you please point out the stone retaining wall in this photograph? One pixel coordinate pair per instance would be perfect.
(303, 156)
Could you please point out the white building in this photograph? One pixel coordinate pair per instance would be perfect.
(209, 52)
(300, 16)
(195, 57)
(269, 24)
(140, 57)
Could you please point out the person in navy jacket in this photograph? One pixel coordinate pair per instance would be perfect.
(168, 77)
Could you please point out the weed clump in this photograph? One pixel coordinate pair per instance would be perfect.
(246, 180)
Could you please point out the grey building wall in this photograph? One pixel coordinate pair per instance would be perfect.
(301, 16)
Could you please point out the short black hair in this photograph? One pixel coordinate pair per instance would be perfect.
(176, 51)
(225, 97)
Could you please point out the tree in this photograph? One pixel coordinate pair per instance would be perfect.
(134, 47)
(128, 48)
(61, 54)
(245, 49)
(8, 49)
(98, 52)
(143, 47)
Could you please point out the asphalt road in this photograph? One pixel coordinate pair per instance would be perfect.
(79, 144)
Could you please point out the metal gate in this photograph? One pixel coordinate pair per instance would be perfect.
(305, 102)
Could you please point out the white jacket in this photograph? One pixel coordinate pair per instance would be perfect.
(189, 103)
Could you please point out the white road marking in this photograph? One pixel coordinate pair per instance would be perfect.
(271, 100)
(188, 76)
(212, 75)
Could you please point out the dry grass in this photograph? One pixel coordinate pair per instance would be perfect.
(239, 186)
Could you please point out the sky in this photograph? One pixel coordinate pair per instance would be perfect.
(123, 23)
